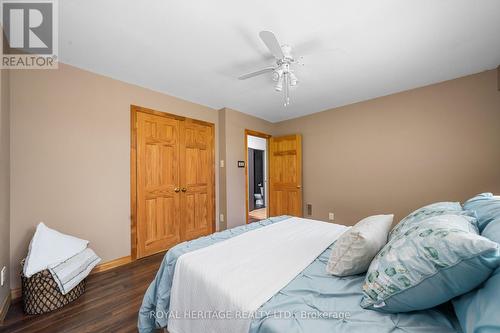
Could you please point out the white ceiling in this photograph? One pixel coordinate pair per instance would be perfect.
(353, 50)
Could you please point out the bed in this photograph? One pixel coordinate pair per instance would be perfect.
(312, 301)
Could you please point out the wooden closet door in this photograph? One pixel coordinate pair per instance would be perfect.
(158, 196)
(285, 175)
(197, 179)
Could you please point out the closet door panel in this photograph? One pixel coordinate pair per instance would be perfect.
(158, 219)
(197, 167)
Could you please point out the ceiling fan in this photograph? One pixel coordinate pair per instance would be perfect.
(282, 72)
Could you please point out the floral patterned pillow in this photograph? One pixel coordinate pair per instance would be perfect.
(428, 264)
(435, 209)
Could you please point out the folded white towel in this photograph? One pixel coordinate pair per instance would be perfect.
(49, 247)
(71, 272)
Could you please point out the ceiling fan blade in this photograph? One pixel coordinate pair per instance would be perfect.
(272, 44)
(262, 71)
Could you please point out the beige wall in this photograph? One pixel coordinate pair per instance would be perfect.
(222, 171)
(4, 178)
(395, 153)
(71, 155)
(235, 125)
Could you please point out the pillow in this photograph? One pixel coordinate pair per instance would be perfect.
(435, 209)
(486, 206)
(48, 247)
(355, 249)
(432, 262)
(477, 311)
(492, 230)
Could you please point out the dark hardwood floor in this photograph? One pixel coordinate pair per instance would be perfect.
(110, 303)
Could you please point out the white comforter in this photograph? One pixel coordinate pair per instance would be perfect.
(233, 278)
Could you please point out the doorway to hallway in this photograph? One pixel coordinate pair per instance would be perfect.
(257, 201)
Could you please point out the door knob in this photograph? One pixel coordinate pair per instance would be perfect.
(183, 189)
(176, 190)
(298, 186)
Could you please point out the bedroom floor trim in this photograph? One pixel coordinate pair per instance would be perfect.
(4, 309)
(111, 264)
(110, 303)
(15, 294)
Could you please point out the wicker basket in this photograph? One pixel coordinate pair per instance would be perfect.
(41, 294)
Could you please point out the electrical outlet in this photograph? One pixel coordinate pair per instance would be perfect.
(309, 209)
(221, 163)
(331, 216)
(221, 217)
(2, 276)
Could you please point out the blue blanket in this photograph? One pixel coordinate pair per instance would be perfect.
(313, 302)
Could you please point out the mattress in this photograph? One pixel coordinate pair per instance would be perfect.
(314, 301)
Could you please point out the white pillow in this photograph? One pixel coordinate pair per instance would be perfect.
(354, 250)
(48, 247)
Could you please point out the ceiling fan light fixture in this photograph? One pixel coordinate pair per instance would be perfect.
(277, 73)
(279, 84)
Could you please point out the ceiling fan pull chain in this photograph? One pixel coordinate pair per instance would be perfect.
(286, 87)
